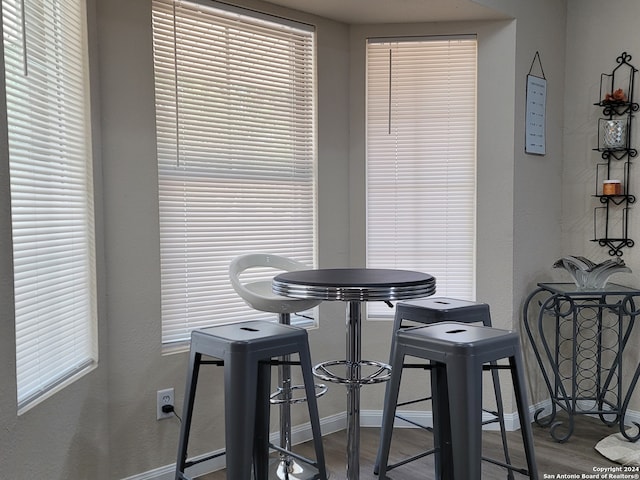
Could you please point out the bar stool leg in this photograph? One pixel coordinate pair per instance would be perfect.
(187, 412)
(240, 394)
(464, 377)
(520, 390)
(389, 412)
(500, 412)
(387, 393)
(261, 430)
(312, 406)
(441, 423)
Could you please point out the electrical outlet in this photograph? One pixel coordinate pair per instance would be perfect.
(165, 397)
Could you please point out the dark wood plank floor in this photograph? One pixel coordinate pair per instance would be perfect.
(577, 456)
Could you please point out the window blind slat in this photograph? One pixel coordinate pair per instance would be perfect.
(421, 179)
(235, 123)
(51, 194)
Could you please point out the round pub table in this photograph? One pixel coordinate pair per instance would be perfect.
(354, 286)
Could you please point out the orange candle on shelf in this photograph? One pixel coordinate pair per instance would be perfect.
(612, 187)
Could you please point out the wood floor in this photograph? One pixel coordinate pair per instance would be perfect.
(577, 456)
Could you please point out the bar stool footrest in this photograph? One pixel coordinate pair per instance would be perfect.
(415, 457)
(520, 470)
(381, 374)
(417, 400)
(277, 398)
(191, 463)
(413, 422)
(291, 454)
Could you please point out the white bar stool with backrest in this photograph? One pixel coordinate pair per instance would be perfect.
(258, 294)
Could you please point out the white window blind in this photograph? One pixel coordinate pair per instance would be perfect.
(421, 160)
(45, 53)
(236, 153)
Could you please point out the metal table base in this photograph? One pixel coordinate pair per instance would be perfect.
(354, 286)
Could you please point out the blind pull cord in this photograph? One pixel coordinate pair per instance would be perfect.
(25, 68)
(390, 64)
(175, 81)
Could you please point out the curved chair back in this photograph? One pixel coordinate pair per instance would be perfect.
(258, 294)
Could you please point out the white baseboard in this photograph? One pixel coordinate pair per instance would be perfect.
(338, 422)
(299, 434)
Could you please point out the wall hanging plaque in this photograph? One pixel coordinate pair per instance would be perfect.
(535, 142)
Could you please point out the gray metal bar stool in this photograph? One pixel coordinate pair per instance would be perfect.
(431, 310)
(459, 352)
(247, 349)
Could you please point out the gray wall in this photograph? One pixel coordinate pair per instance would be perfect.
(67, 435)
(534, 195)
(103, 426)
(589, 53)
(138, 368)
(494, 271)
(519, 196)
(587, 57)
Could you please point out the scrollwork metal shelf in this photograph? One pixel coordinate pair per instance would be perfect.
(578, 340)
(611, 220)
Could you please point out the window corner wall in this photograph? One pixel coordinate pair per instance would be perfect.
(51, 177)
(421, 159)
(495, 147)
(236, 132)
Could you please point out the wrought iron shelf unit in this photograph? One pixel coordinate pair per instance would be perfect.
(611, 218)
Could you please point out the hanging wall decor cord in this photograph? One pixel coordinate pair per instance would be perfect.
(23, 13)
(537, 56)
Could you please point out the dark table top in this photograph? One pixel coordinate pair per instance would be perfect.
(354, 284)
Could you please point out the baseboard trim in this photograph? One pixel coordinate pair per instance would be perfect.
(299, 434)
(338, 422)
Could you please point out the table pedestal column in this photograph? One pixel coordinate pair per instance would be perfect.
(354, 357)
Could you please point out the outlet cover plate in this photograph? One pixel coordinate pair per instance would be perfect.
(165, 397)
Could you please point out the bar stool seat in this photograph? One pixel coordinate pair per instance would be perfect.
(246, 349)
(427, 311)
(459, 352)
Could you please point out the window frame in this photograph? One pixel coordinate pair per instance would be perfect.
(276, 168)
(401, 113)
(45, 47)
